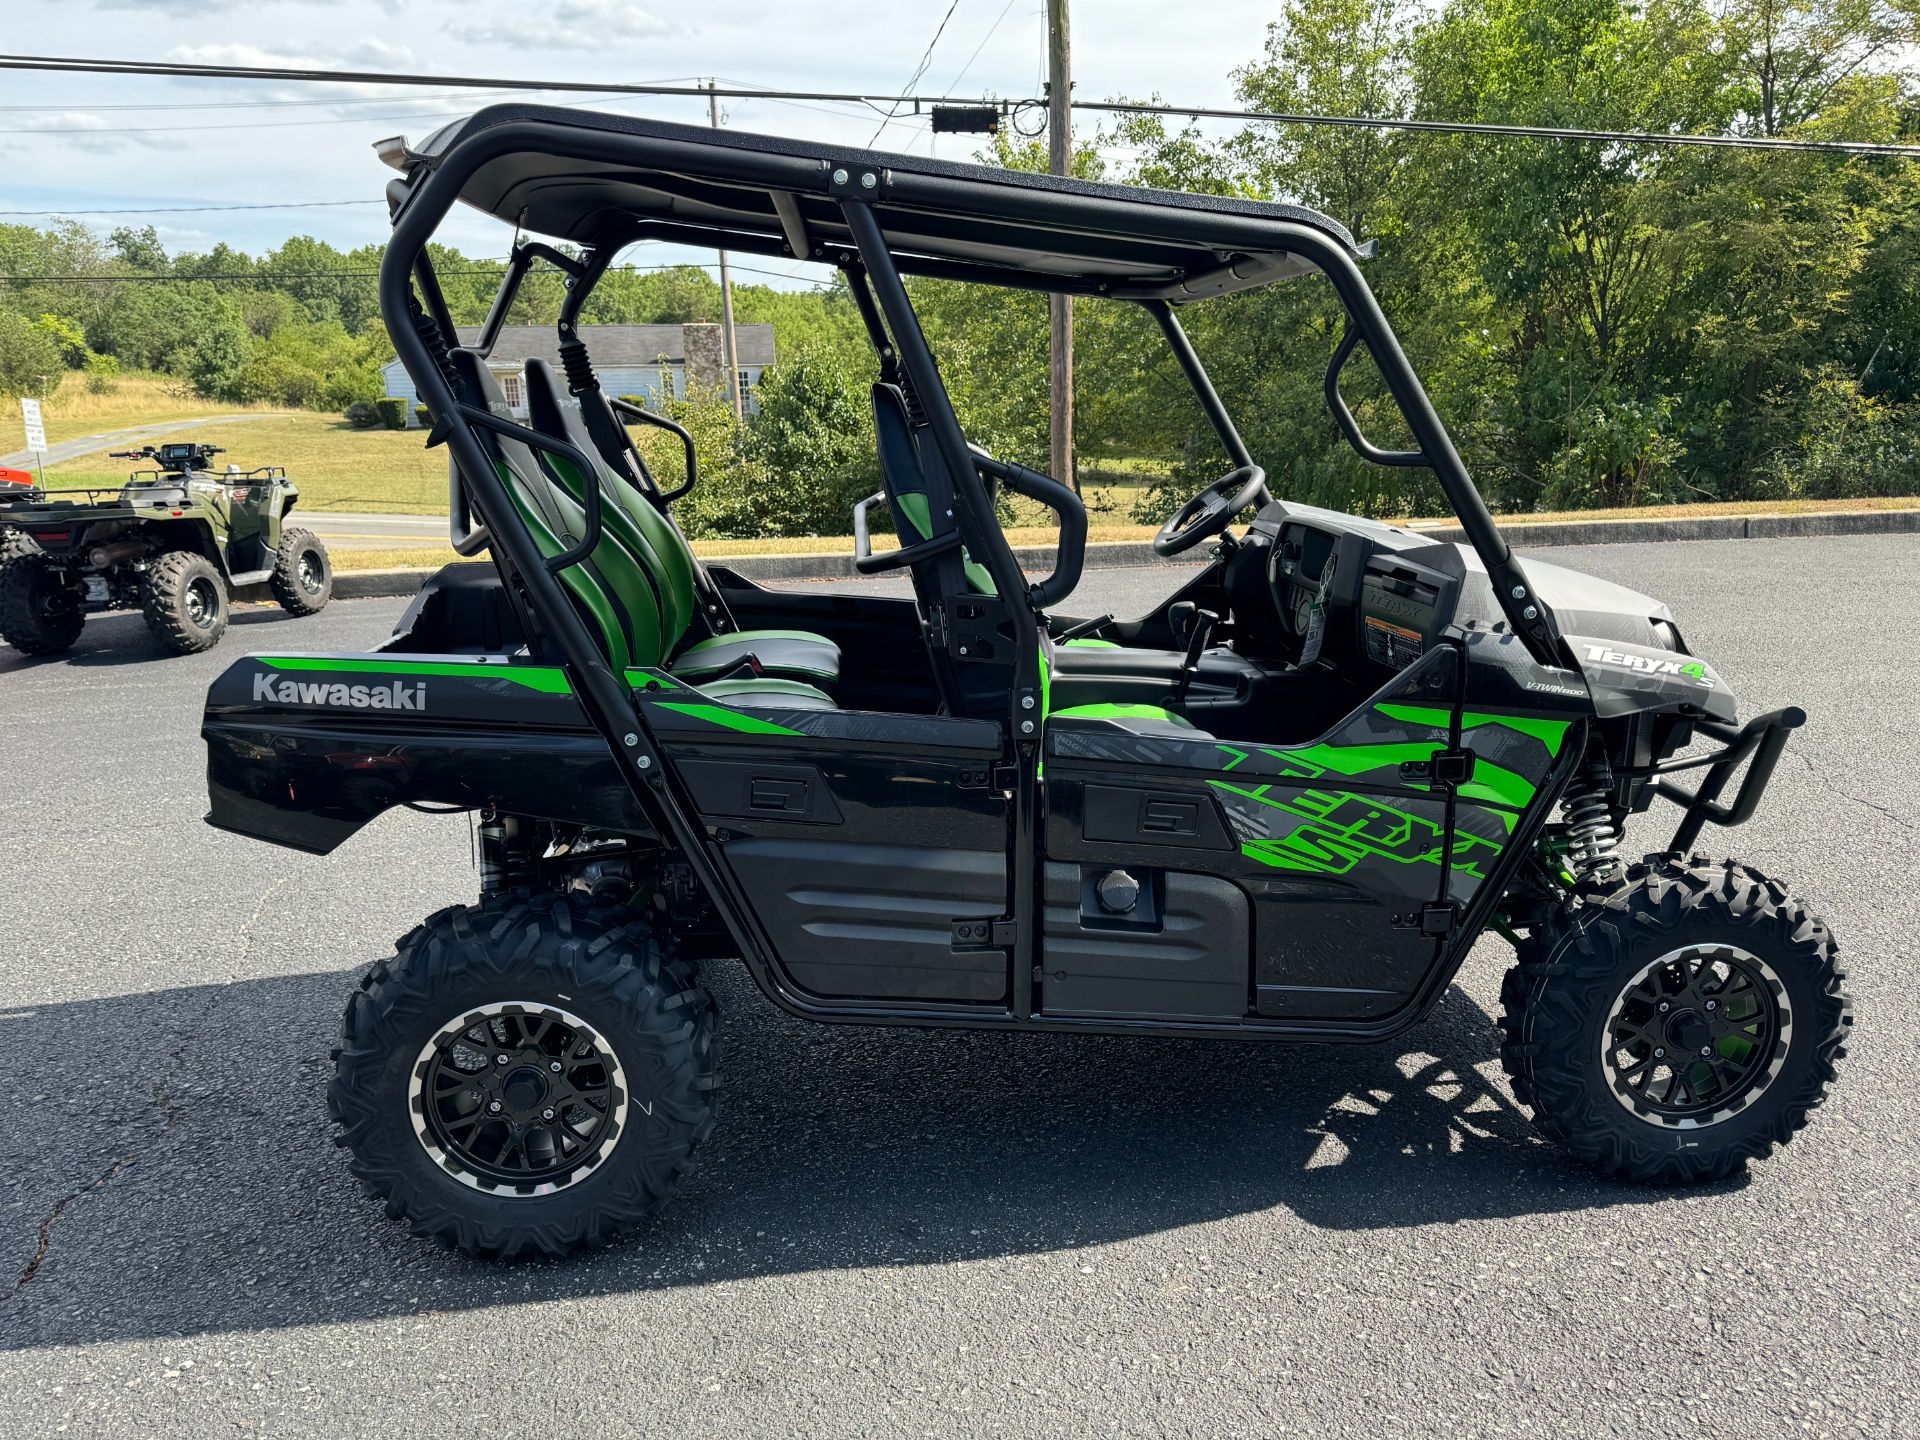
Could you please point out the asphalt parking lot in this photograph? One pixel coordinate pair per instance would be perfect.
(918, 1233)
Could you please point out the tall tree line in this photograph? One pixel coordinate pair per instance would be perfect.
(1599, 324)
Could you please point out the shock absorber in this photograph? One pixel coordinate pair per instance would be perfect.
(1593, 834)
(503, 857)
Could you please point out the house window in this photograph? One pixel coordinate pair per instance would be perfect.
(510, 387)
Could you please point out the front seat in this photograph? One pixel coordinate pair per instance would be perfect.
(1086, 670)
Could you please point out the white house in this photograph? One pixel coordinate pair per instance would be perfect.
(628, 359)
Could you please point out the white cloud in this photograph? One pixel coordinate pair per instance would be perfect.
(85, 130)
(574, 25)
(191, 9)
(362, 55)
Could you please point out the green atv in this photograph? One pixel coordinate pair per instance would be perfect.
(174, 542)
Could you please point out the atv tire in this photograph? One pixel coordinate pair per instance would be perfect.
(15, 542)
(302, 573)
(1603, 990)
(38, 614)
(185, 600)
(416, 1099)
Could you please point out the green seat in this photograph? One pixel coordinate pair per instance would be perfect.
(635, 588)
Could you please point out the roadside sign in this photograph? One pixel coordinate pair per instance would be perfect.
(36, 431)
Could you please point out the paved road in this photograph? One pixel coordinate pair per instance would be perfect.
(351, 530)
(939, 1234)
(128, 439)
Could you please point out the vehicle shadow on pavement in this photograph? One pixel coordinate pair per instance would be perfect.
(182, 1180)
(120, 637)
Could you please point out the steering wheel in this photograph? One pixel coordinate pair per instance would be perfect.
(1211, 511)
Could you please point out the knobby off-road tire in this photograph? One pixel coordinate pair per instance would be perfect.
(1590, 973)
(514, 964)
(302, 573)
(185, 602)
(15, 542)
(38, 615)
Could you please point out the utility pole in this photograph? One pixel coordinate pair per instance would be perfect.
(1060, 307)
(732, 353)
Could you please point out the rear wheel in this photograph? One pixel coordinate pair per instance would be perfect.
(39, 612)
(1678, 1026)
(302, 573)
(185, 602)
(15, 542)
(526, 1076)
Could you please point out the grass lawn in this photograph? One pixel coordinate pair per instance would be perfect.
(391, 471)
(409, 557)
(71, 411)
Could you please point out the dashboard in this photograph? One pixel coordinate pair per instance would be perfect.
(1349, 591)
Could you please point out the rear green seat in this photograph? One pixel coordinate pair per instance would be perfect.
(670, 562)
(635, 589)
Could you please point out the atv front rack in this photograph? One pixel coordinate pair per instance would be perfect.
(1761, 738)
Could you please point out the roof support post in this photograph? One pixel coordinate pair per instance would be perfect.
(1201, 382)
(1026, 715)
(1529, 615)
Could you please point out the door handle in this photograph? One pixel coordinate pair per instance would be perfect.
(784, 796)
(1170, 817)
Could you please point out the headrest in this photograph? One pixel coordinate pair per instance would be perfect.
(893, 432)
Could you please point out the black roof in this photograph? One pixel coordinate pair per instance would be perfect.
(598, 180)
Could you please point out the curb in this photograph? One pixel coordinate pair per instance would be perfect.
(1522, 535)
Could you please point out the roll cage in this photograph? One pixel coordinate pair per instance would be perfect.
(603, 182)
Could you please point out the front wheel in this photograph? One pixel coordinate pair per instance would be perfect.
(527, 1076)
(302, 573)
(185, 601)
(1679, 1025)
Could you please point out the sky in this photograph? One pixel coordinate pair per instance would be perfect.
(71, 142)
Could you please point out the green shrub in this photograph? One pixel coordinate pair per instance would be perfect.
(393, 412)
(364, 415)
(103, 374)
(423, 415)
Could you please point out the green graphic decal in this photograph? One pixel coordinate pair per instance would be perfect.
(1339, 829)
(726, 719)
(548, 679)
(1548, 732)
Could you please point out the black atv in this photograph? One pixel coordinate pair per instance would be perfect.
(174, 542)
(1281, 806)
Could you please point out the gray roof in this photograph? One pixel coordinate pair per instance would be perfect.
(613, 346)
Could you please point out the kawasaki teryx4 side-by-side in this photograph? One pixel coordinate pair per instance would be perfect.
(1281, 806)
(174, 542)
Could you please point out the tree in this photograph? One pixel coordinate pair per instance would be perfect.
(30, 360)
(814, 435)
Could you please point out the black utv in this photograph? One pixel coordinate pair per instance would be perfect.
(1281, 806)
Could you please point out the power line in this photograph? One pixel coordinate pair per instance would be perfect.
(951, 84)
(199, 209)
(282, 104)
(279, 277)
(1201, 112)
(76, 65)
(1521, 132)
(921, 68)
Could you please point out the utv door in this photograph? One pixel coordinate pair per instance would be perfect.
(872, 847)
(1304, 881)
